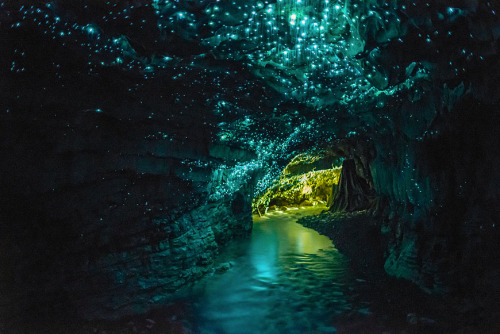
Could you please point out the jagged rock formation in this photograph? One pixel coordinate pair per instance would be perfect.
(112, 219)
(307, 180)
(352, 193)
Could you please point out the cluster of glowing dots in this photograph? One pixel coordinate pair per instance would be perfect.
(308, 35)
(103, 50)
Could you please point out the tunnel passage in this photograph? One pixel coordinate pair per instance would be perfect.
(130, 132)
(337, 177)
(307, 180)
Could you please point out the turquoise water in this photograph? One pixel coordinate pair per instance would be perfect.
(284, 279)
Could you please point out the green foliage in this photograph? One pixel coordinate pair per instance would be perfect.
(306, 189)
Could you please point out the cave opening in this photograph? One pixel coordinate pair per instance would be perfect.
(309, 179)
(337, 177)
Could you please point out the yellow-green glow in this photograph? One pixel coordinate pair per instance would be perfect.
(305, 189)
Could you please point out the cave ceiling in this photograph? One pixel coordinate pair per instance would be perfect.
(269, 76)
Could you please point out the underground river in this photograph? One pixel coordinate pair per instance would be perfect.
(284, 279)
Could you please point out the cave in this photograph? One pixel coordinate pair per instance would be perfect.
(309, 179)
(260, 166)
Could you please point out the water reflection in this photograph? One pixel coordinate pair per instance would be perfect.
(285, 278)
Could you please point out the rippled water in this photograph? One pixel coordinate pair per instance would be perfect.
(284, 278)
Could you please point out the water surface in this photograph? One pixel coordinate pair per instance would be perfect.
(284, 279)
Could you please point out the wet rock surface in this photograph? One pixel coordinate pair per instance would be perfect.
(97, 208)
(133, 136)
(308, 180)
(410, 309)
(355, 234)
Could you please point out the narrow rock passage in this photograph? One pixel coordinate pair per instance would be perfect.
(285, 279)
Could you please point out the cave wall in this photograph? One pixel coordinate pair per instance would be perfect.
(103, 219)
(106, 207)
(433, 131)
(440, 193)
(433, 172)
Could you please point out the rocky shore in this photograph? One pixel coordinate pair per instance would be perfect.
(355, 234)
(411, 310)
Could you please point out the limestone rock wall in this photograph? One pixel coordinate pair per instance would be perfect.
(434, 128)
(440, 221)
(107, 176)
(104, 217)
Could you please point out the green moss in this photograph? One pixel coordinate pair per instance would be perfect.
(301, 160)
(311, 188)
